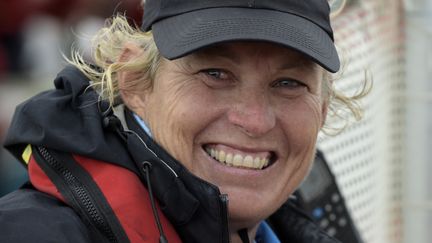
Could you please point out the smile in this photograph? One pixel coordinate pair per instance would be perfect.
(240, 159)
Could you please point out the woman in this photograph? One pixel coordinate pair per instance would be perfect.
(197, 131)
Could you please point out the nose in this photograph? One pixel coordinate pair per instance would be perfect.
(253, 114)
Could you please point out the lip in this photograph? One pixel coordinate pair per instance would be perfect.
(236, 172)
(273, 157)
(256, 149)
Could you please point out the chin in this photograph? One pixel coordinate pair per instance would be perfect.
(247, 210)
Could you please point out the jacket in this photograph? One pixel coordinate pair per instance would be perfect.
(95, 176)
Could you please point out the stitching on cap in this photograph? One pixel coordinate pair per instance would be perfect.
(203, 31)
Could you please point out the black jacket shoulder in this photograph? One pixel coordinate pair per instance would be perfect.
(27, 215)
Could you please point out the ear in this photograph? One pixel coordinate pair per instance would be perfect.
(133, 98)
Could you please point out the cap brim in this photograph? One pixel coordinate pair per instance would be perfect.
(180, 35)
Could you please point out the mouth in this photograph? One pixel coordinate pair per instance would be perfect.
(240, 159)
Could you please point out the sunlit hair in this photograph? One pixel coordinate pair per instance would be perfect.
(343, 109)
(109, 45)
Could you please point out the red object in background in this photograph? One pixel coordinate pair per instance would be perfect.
(3, 63)
(134, 10)
(14, 14)
(61, 9)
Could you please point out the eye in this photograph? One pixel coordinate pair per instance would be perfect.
(289, 87)
(215, 73)
(216, 78)
(289, 83)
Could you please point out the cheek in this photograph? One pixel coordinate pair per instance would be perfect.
(301, 121)
(176, 117)
(315, 107)
(301, 124)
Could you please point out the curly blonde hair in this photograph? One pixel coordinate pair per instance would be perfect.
(109, 44)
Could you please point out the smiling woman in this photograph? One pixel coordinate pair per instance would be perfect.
(246, 114)
(220, 102)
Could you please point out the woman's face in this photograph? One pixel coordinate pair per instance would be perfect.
(242, 116)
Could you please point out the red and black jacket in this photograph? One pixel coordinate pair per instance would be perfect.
(85, 165)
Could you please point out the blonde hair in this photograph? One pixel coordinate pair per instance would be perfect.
(342, 109)
(109, 45)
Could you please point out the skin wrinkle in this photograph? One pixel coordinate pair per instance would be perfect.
(201, 126)
(187, 109)
(170, 109)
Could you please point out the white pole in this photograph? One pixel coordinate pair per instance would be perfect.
(418, 163)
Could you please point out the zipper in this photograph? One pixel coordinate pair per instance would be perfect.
(80, 194)
(224, 215)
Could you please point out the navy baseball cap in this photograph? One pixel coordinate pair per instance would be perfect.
(183, 26)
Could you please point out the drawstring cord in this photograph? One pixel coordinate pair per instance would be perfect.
(243, 233)
(146, 168)
(114, 124)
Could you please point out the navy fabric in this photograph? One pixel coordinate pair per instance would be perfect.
(182, 27)
(264, 233)
(29, 216)
(70, 119)
(67, 119)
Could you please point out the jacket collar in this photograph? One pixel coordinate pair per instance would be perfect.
(195, 207)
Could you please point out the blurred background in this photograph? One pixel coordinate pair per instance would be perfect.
(381, 164)
(34, 36)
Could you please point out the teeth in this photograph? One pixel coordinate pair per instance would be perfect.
(222, 156)
(262, 163)
(257, 162)
(248, 162)
(266, 162)
(238, 160)
(229, 159)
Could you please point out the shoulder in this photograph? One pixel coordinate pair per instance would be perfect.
(27, 215)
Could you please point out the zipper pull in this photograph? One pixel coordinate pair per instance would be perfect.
(146, 167)
(224, 215)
